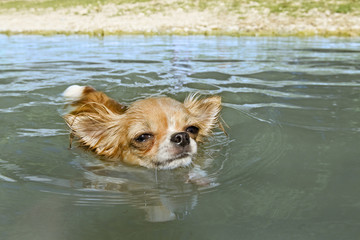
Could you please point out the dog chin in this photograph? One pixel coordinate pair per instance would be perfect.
(182, 160)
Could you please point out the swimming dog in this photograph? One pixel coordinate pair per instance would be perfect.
(155, 132)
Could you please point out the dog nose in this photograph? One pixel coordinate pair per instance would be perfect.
(181, 138)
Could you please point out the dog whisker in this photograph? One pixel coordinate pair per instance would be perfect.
(159, 133)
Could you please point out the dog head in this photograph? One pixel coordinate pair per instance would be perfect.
(155, 132)
(164, 133)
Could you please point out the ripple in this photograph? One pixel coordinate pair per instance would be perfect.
(256, 155)
(134, 61)
(66, 63)
(6, 179)
(327, 50)
(41, 132)
(218, 60)
(261, 105)
(214, 75)
(93, 69)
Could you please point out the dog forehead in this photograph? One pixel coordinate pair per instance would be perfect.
(173, 112)
(153, 107)
(157, 114)
(157, 102)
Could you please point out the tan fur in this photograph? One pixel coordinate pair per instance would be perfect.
(110, 129)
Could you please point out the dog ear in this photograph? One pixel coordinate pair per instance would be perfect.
(100, 132)
(205, 110)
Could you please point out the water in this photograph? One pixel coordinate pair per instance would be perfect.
(288, 169)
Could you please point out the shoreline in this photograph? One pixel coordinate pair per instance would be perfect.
(143, 18)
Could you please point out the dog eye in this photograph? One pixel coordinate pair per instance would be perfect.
(192, 130)
(143, 137)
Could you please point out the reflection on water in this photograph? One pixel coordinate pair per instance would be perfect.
(163, 195)
(288, 169)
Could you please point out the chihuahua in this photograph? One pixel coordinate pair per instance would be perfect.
(156, 132)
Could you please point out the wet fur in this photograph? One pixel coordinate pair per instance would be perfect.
(109, 128)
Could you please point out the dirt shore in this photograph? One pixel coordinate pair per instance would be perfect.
(155, 17)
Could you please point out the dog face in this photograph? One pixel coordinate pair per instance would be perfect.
(162, 133)
(155, 133)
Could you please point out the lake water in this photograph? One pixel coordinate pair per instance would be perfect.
(288, 169)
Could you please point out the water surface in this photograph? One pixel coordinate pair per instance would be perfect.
(288, 169)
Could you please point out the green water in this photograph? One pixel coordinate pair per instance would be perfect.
(288, 169)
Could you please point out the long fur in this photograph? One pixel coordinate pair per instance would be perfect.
(109, 128)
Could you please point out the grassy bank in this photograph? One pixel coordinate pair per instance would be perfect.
(275, 6)
(209, 17)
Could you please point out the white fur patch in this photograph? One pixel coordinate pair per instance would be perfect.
(166, 152)
(73, 92)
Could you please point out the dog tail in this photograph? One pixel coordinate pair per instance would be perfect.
(87, 99)
(75, 92)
